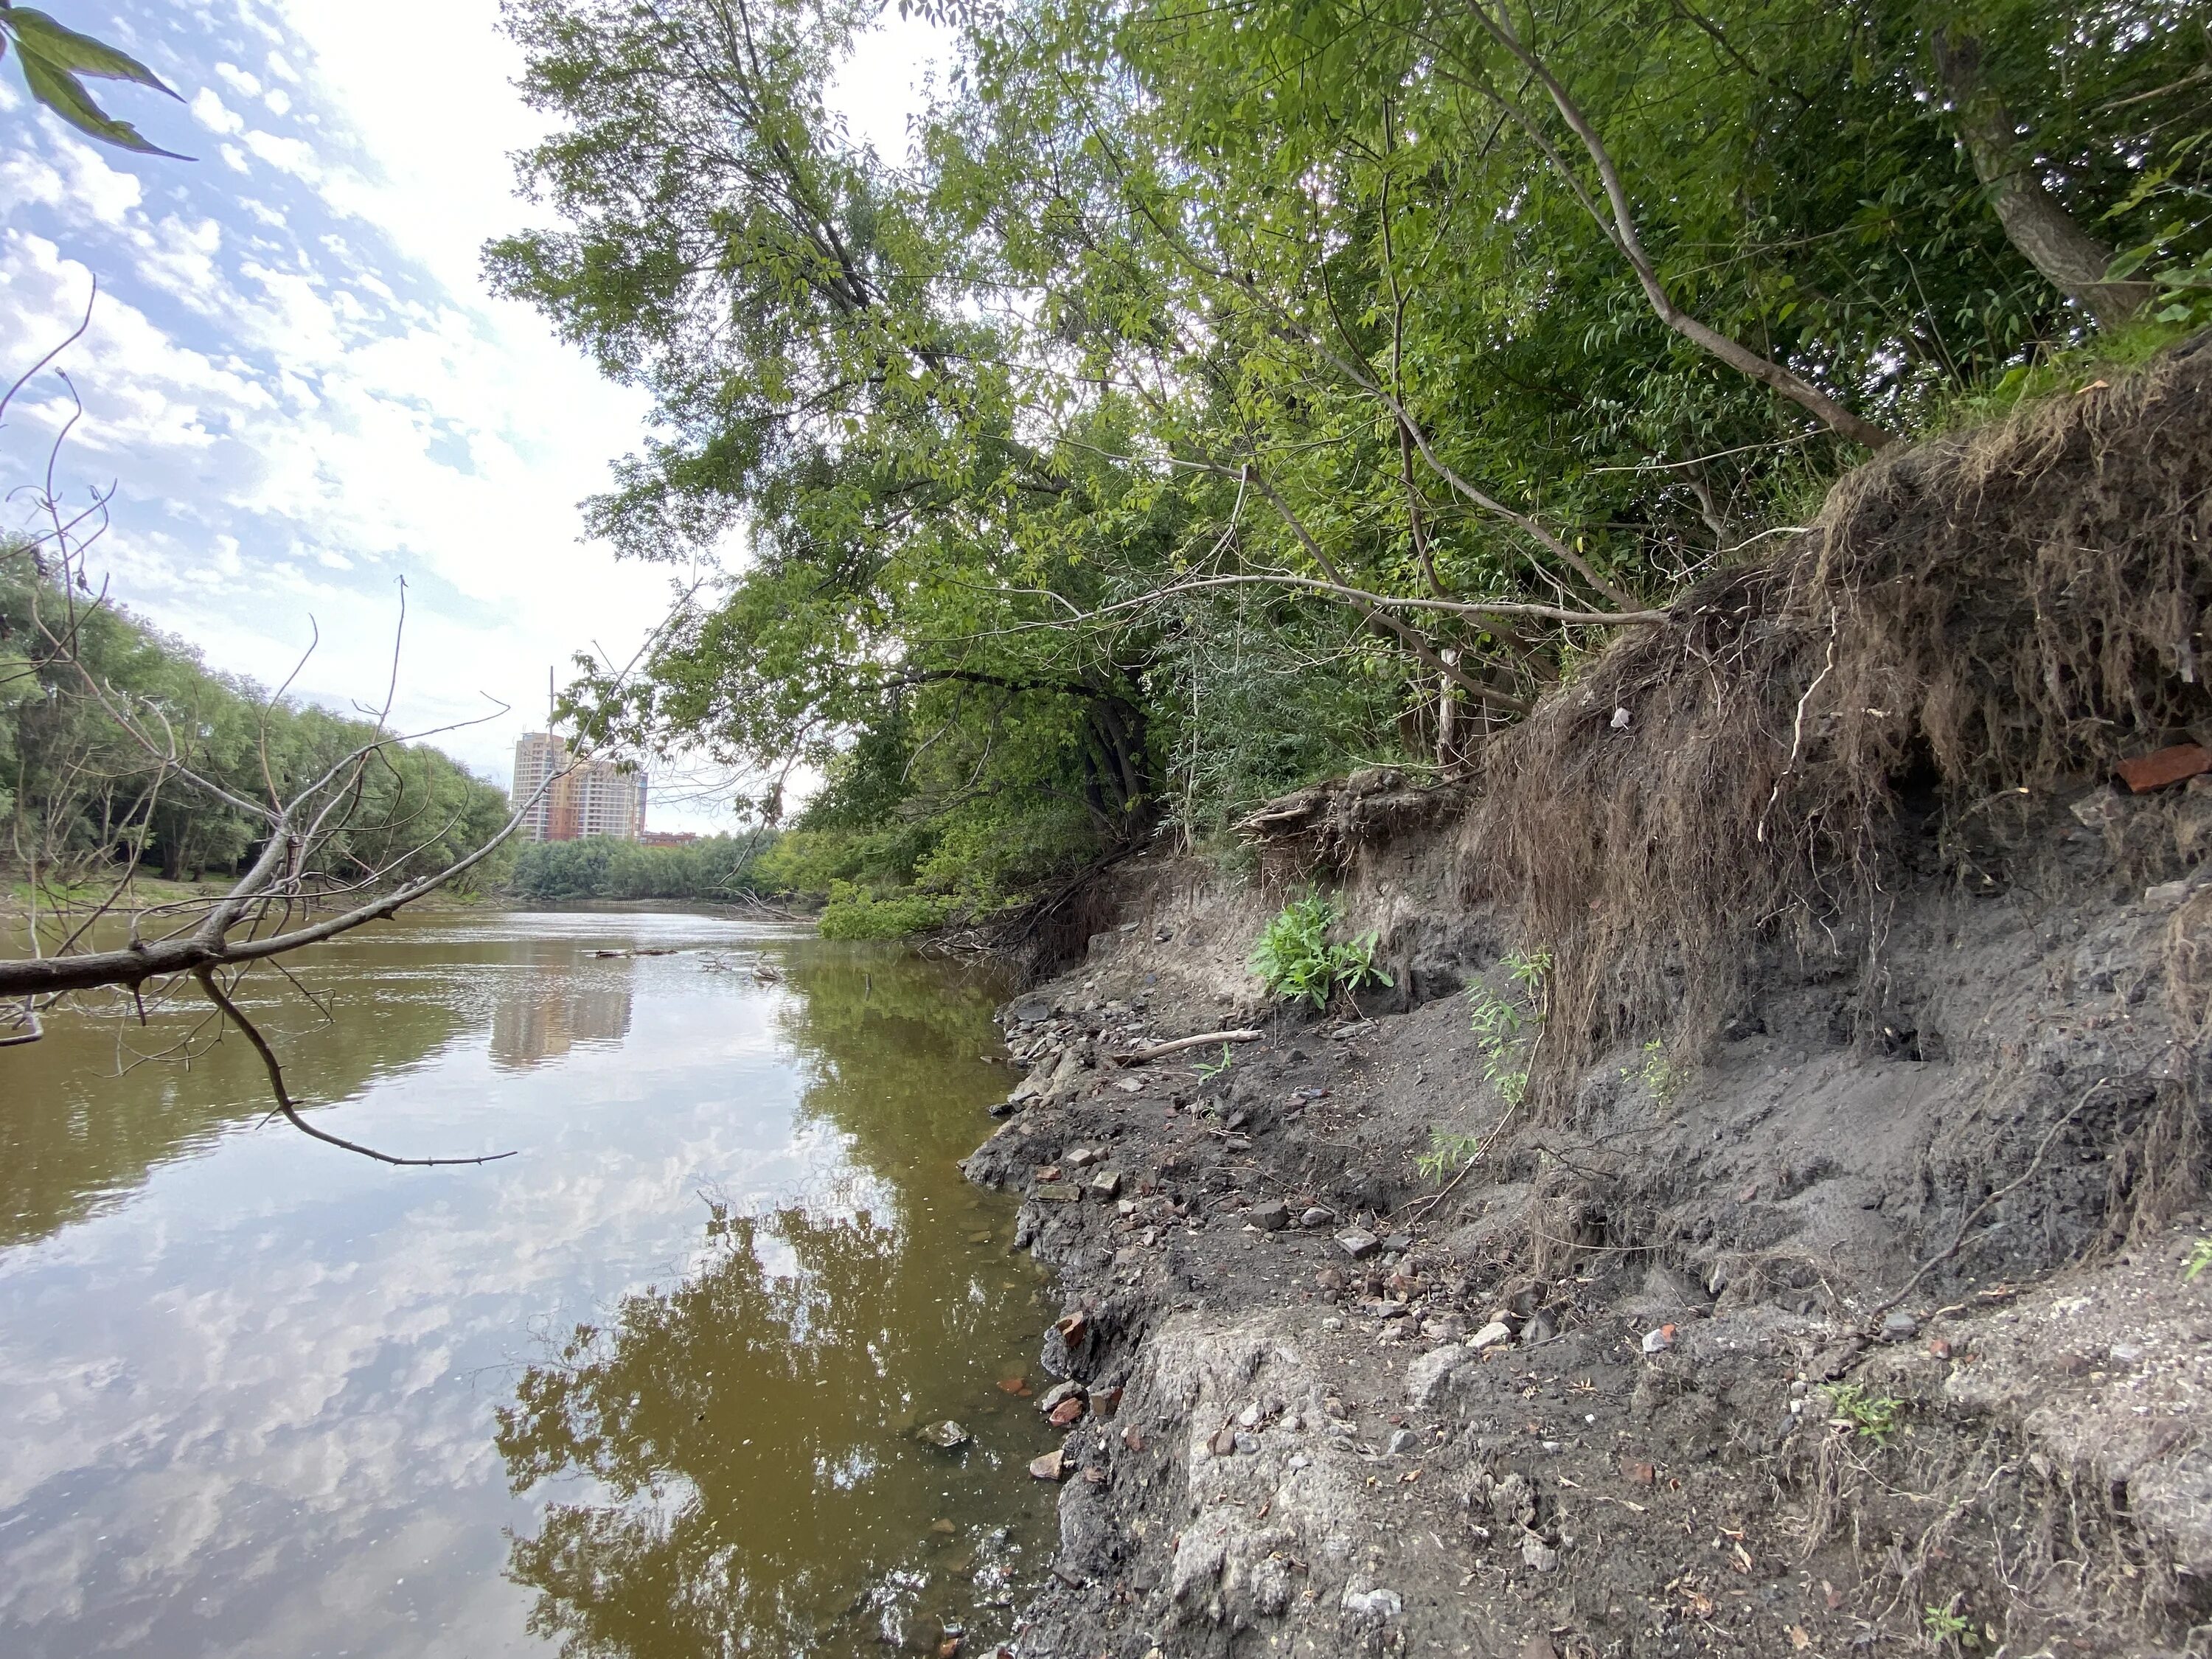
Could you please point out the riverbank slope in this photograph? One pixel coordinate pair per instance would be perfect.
(1823, 1284)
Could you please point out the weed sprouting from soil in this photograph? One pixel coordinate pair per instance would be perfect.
(1870, 1416)
(1499, 1023)
(1296, 961)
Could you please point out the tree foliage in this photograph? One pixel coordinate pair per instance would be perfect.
(55, 62)
(712, 867)
(1222, 395)
(78, 792)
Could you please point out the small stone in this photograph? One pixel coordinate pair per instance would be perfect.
(1358, 1243)
(1107, 1185)
(1327, 1278)
(1316, 1217)
(1642, 1475)
(1105, 1401)
(1237, 1120)
(1078, 1157)
(1403, 1441)
(1398, 1243)
(1003, 1107)
(1224, 1444)
(1065, 1413)
(1490, 1335)
(1029, 1011)
(1058, 1193)
(1537, 1555)
(1271, 1216)
(1939, 1348)
(1053, 1465)
(948, 1435)
(1660, 1341)
(1374, 1603)
(2124, 1354)
(1899, 1326)
(1426, 1376)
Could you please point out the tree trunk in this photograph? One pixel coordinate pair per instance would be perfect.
(2035, 221)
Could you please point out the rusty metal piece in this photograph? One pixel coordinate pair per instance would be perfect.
(2164, 766)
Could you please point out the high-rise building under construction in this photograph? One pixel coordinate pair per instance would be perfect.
(584, 798)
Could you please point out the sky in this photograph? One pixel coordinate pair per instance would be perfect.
(295, 377)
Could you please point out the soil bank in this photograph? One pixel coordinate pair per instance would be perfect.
(1824, 1290)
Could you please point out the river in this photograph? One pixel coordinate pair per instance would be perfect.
(654, 1385)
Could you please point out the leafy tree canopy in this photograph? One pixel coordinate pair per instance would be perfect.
(1224, 395)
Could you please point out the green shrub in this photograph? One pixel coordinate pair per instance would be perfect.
(855, 913)
(1295, 961)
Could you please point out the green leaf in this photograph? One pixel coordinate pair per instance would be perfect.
(62, 92)
(72, 54)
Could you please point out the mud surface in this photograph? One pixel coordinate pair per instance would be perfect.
(1865, 1328)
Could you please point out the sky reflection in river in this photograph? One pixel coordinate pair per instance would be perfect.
(259, 1397)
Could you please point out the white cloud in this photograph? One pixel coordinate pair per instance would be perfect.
(211, 113)
(239, 79)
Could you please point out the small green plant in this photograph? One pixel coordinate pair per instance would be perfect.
(1662, 1077)
(1942, 1625)
(2200, 1258)
(1498, 1023)
(1209, 1070)
(1297, 962)
(1873, 1416)
(1447, 1152)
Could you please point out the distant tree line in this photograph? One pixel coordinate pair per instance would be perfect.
(81, 799)
(712, 867)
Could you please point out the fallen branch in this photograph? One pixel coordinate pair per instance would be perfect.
(1203, 1040)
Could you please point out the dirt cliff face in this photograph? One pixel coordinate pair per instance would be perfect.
(1807, 1269)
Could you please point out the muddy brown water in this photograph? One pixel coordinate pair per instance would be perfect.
(652, 1387)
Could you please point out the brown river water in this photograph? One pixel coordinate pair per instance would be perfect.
(654, 1386)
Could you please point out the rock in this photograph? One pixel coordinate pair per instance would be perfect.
(1053, 1465)
(1029, 1011)
(1058, 1193)
(1329, 1280)
(1899, 1326)
(1426, 1376)
(1374, 1603)
(1004, 1107)
(1106, 1186)
(1660, 1341)
(1050, 1400)
(2167, 896)
(1064, 1413)
(1077, 1158)
(1542, 1328)
(1316, 1217)
(1237, 1120)
(948, 1435)
(1223, 1442)
(1358, 1243)
(1398, 1243)
(1490, 1335)
(1104, 1402)
(1270, 1216)
(1641, 1475)
(1403, 1441)
(1537, 1555)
